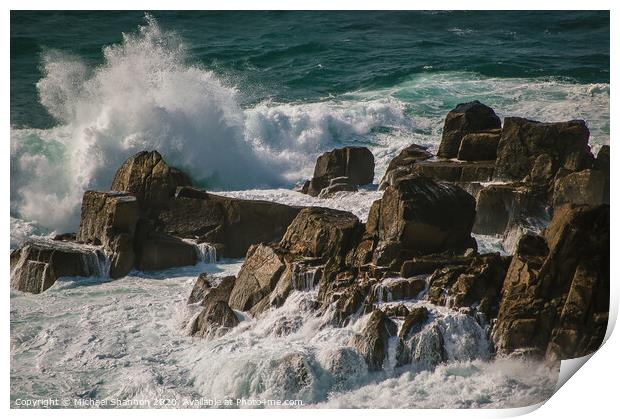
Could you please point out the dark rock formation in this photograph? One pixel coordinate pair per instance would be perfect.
(209, 289)
(235, 223)
(421, 216)
(355, 163)
(477, 286)
(110, 219)
(555, 298)
(587, 187)
(430, 263)
(148, 177)
(414, 322)
(394, 289)
(339, 184)
(499, 208)
(536, 151)
(372, 343)
(37, 264)
(479, 146)
(257, 278)
(214, 321)
(160, 251)
(403, 164)
(465, 119)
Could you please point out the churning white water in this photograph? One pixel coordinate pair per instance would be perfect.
(127, 339)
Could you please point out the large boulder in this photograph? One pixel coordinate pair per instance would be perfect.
(555, 298)
(235, 223)
(37, 264)
(147, 176)
(355, 163)
(403, 164)
(480, 146)
(258, 276)
(465, 119)
(536, 151)
(110, 219)
(420, 215)
(372, 343)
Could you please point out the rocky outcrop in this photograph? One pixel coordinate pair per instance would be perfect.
(149, 178)
(37, 264)
(404, 163)
(214, 321)
(419, 216)
(536, 151)
(235, 223)
(480, 146)
(555, 298)
(394, 289)
(587, 187)
(110, 219)
(372, 343)
(414, 321)
(160, 251)
(257, 278)
(476, 286)
(210, 289)
(465, 119)
(502, 207)
(357, 164)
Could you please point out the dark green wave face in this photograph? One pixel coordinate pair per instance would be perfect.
(307, 56)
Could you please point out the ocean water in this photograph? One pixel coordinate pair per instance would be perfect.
(245, 102)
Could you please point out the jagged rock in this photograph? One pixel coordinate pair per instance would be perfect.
(372, 343)
(355, 163)
(480, 146)
(396, 311)
(466, 118)
(537, 151)
(394, 289)
(235, 223)
(161, 251)
(420, 215)
(428, 264)
(555, 299)
(322, 233)
(403, 164)
(37, 264)
(110, 219)
(258, 276)
(414, 322)
(461, 173)
(147, 176)
(477, 285)
(214, 320)
(209, 289)
(587, 187)
(499, 208)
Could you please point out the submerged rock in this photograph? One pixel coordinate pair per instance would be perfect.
(372, 343)
(214, 320)
(465, 119)
(37, 264)
(209, 289)
(555, 298)
(355, 163)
